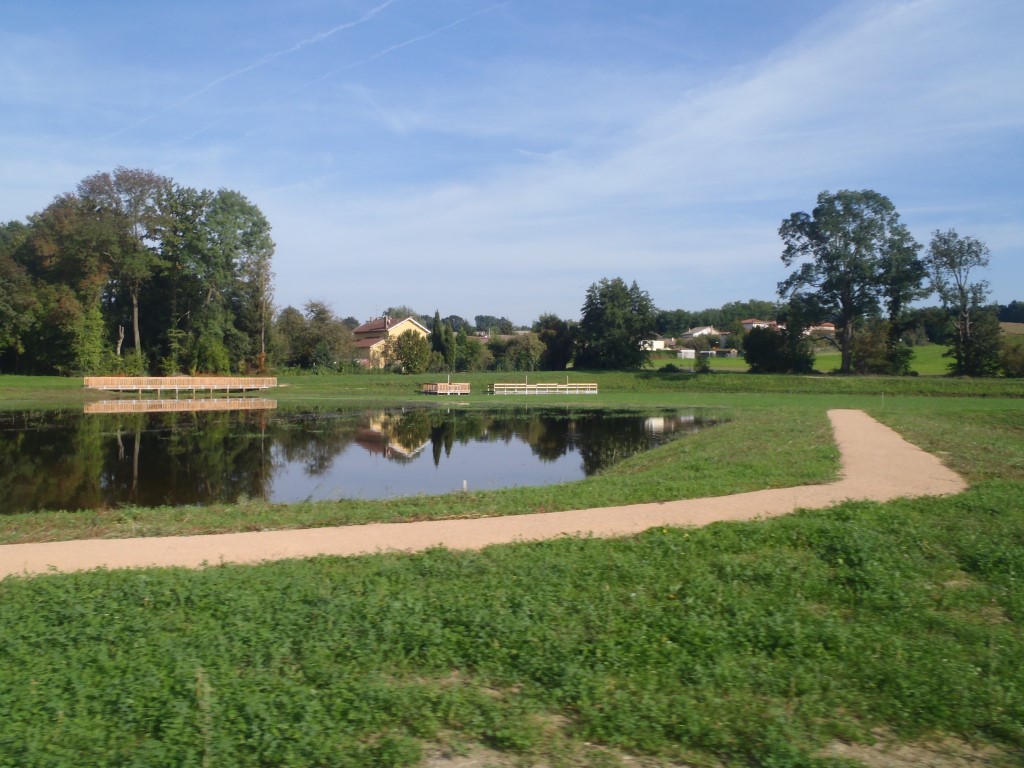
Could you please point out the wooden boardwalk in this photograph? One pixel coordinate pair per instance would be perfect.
(446, 388)
(542, 389)
(187, 405)
(176, 384)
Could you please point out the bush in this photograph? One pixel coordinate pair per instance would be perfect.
(1011, 357)
(767, 350)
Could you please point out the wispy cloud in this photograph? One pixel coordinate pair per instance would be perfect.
(411, 41)
(262, 62)
(703, 179)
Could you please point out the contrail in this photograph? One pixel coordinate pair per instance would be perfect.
(372, 57)
(410, 41)
(319, 37)
(298, 46)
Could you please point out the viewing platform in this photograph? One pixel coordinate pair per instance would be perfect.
(178, 384)
(542, 389)
(446, 388)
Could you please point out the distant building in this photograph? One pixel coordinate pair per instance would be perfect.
(371, 336)
(705, 330)
(752, 322)
(822, 329)
(655, 344)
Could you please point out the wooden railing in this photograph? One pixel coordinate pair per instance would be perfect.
(542, 389)
(186, 405)
(179, 383)
(446, 388)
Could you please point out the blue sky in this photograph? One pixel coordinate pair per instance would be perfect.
(481, 157)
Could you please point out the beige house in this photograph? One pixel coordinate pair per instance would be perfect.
(371, 336)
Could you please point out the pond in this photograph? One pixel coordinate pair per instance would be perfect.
(75, 461)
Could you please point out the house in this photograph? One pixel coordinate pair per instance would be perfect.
(752, 322)
(822, 329)
(655, 344)
(705, 330)
(371, 337)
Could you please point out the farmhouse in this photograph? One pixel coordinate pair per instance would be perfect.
(371, 336)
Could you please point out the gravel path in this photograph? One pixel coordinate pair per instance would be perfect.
(877, 464)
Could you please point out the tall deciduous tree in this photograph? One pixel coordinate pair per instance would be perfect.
(615, 320)
(854, 252)
(951, 259)
(409, 351)
(69, 253)
(18, 302)
(135, 201)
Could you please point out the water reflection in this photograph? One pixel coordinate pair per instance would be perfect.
(61, 460)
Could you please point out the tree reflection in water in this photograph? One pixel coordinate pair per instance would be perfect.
(64, 460)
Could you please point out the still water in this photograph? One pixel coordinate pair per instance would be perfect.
(74, 461)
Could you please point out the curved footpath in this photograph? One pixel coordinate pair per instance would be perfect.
(877, 464)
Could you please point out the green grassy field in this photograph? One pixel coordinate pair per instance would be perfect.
(771, 643)
(927, 361)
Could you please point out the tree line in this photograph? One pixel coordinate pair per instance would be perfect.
(133, 273)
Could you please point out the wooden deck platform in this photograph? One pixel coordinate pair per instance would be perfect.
(446, 388)
(542, 389)
(189, 404)
(177, 384)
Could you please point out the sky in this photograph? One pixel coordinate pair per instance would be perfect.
(499, 157)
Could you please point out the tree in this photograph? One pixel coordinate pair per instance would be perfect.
(402, 311)
(135, 202)
(1012, 312)
(458, 323)
(489, 323)
(326, 341)
(68, 253)
(473, 354)
(615, 320)
(950, 260)
(559, 339)
(239, 297)
(18, 302)
(409, 351)
(857, 252)
(787, 349)
(442, 341)
(189, 271)
(520, 353)
(1011, 358)
(289, 329)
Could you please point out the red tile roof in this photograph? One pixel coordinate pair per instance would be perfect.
(377, 324)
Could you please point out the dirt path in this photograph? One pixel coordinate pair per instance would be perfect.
(877, 464)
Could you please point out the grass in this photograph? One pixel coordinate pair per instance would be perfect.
(738, 644)
(928, 360)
